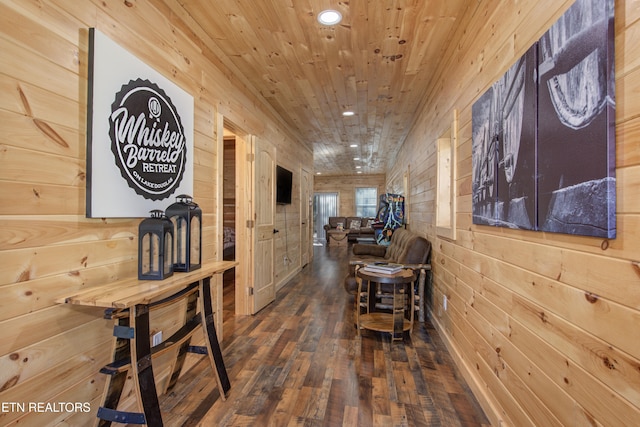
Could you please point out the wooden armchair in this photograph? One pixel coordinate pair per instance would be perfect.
(406, 248)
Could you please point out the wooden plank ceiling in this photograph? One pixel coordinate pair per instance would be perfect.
(377, 62)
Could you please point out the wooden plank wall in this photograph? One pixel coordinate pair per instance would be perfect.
(287, 240)
(346, 186)
(50, 352)
(544, 326)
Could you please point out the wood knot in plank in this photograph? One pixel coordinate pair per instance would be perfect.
(25, 102)
(543, 317)
(10, 383)
(24, 276)
(592, 298)
(610, 364)
(50, 133)
(636, 267)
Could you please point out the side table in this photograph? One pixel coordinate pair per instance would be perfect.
(395, 322)
(338, 237)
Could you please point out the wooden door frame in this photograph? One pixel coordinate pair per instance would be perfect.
(309, 219)
(244, 209)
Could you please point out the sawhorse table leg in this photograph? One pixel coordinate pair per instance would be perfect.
(211, 339)
(116, 380)
(142, 368)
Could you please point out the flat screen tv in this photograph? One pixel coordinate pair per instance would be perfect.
(284, 180)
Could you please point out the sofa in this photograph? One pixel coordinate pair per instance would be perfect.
(358, 226)
(406, 247)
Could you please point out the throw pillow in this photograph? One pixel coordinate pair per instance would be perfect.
(355, 225)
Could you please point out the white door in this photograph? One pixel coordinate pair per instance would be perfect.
(264, 289)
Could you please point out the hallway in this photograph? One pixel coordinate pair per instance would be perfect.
(299, 362)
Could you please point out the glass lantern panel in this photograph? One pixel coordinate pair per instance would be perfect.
(195, 241)
(180, 247)
(150, 254)
(168, 257)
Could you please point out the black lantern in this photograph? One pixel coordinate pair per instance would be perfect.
(186, 217)
(155, 247)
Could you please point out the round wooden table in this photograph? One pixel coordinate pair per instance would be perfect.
(400, 286)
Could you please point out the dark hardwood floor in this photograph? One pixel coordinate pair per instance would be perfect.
(300, 362)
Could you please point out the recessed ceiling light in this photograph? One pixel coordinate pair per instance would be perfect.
(356, 158)
(329, 17)
(358, 167)
(359, 172)
(318, 173)
(348, 113)
(354, 146)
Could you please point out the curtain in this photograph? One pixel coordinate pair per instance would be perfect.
(324, 206)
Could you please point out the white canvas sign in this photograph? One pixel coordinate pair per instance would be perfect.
(139, 135)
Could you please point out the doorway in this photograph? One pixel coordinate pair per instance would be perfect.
(229, 222)
(254, 217)
(232, 211)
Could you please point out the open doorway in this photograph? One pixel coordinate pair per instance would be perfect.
(235, 216)
(254, 222)
(229, 222)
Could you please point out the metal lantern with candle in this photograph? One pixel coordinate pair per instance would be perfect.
(155, 247)
(186, 217)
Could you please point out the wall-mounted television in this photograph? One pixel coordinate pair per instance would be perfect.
(284, 181)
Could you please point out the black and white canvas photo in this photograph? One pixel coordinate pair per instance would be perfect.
(576, 147)
(483, 157)
(543, 149)
(503, 153)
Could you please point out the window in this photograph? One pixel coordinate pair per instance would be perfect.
(446, 180)
(367, 202)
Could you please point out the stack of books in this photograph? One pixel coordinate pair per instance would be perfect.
(383, 267)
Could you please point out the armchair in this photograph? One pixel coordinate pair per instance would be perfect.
(406, 248)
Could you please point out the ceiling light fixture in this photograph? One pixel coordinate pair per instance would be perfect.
(329, 17)
(356, 158)
(348, 113)
(354, 146)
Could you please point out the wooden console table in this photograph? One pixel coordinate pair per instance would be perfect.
(128, 302)
(402, 299)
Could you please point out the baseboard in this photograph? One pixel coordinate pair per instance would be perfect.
(288, 277)
(479, 390)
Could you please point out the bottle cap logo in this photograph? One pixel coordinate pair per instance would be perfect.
(147, 139)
